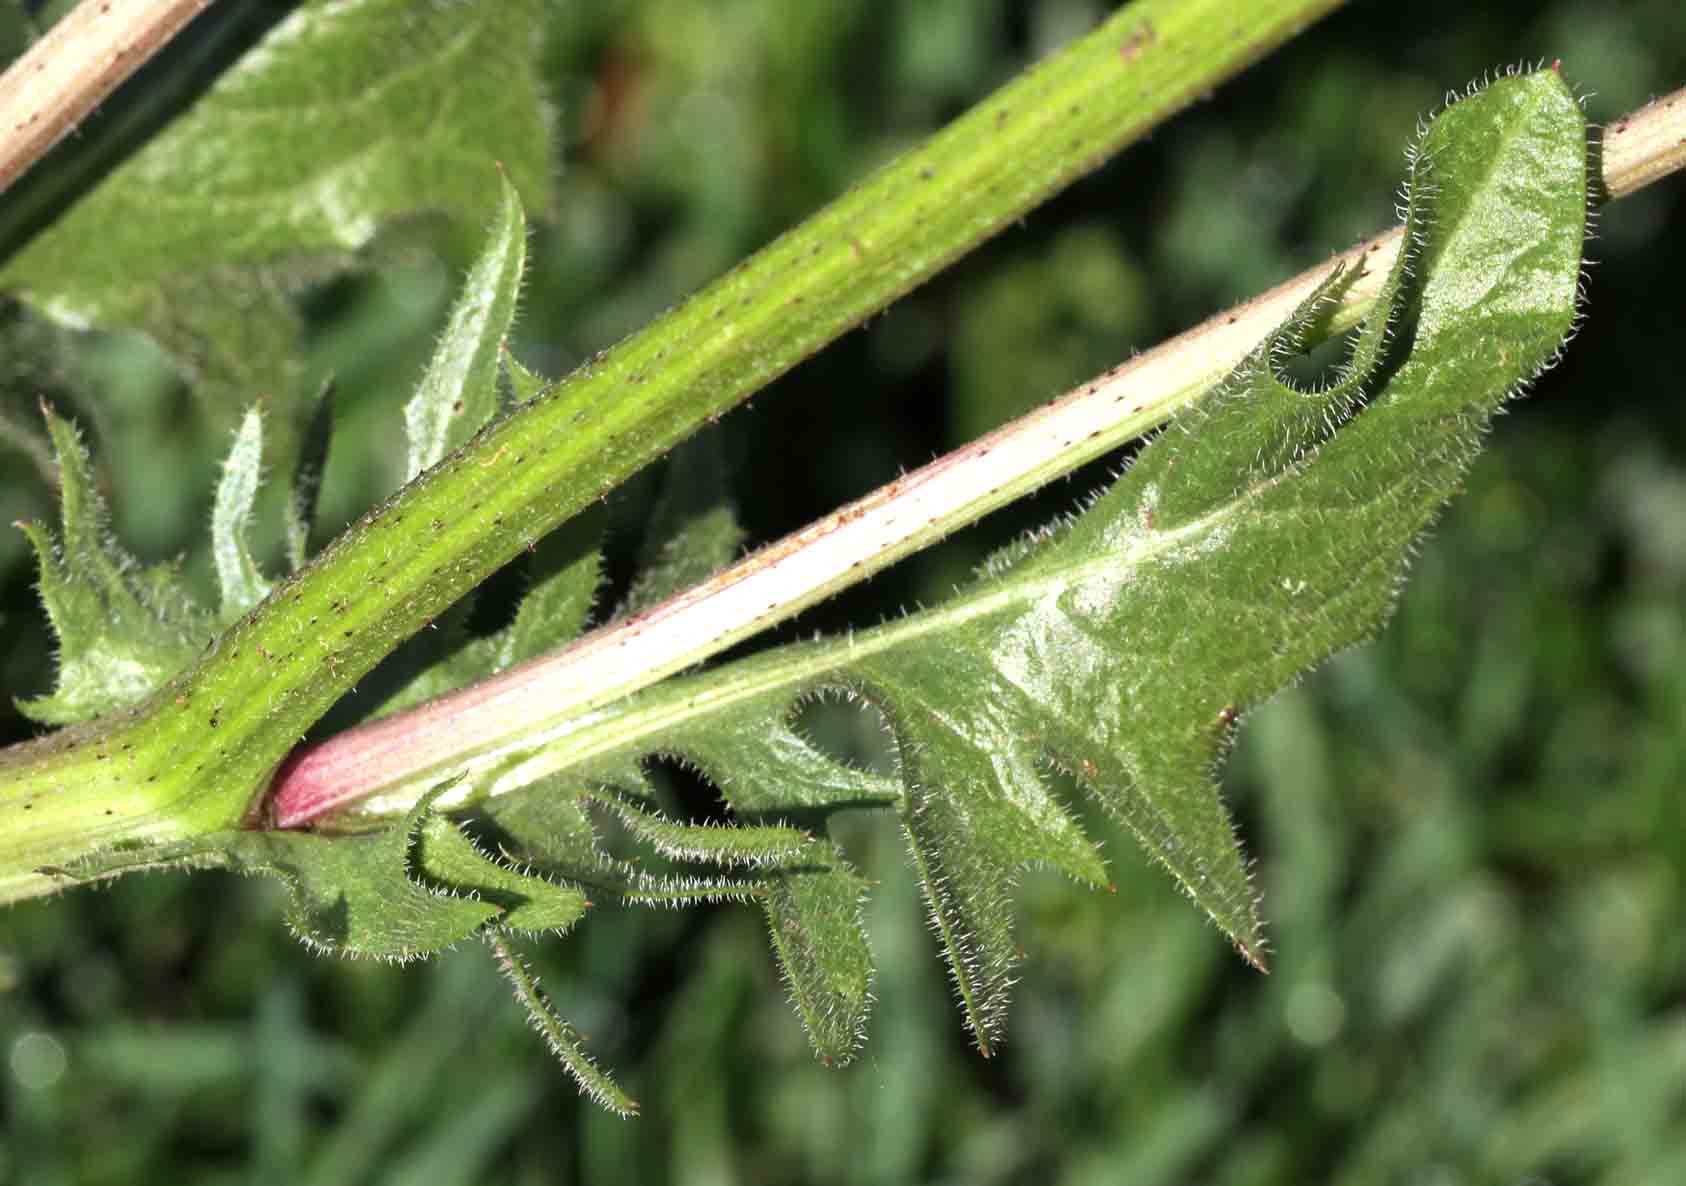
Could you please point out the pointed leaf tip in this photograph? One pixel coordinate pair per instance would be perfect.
(239, 580)
(814, 920)
(122, 628)
(458, 395)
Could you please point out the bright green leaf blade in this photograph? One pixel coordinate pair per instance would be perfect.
(239, 581)
(547, 828)
(347, 116)
(763, 765)
(811, 896)
(968, 891)
(814, 919)
(122, 629)
(459, 393)
(976, 811)
(352, 896)
(1126, 647)
(548, 825)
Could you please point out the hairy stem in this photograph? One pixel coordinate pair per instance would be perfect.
(75, 65)
(868, 535)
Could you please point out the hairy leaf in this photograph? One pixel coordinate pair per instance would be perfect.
(459, 394)
(401, 894)
(347, 116)
(445, 857)
(561, 1037)
(122, 628)
(814, 918)
(810, 894)
(1263, 531)
(750, 845)
(554, 831)
(1266, 529)
(457, 397)
(524, 385)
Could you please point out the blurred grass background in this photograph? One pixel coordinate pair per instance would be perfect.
(1470, 836)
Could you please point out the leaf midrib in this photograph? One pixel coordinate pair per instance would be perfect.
(581, 736)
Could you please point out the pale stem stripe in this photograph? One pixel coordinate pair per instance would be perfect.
(74, 66)
(1645, 146)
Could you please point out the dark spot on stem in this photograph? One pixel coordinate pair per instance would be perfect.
(1138, 41)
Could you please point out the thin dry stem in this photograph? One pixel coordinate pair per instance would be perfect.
(1645, 146)
(70, 71)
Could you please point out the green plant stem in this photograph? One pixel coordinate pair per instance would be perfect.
(198, 755)
(75, 65)
(385, 765)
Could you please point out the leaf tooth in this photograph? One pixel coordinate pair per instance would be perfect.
(239, 581)
(558, 1034)
(742, 845)
(444, 860)
(676, 890)
(459, 393)
(815, 923)
(122, 630)
(960, 908)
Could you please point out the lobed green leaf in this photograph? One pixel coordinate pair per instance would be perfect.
(1263, 531)
(744, 845)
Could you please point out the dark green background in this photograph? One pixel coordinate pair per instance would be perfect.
(1470, 836)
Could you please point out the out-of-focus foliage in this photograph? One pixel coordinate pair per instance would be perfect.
(1471, 835)
(349, 117)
